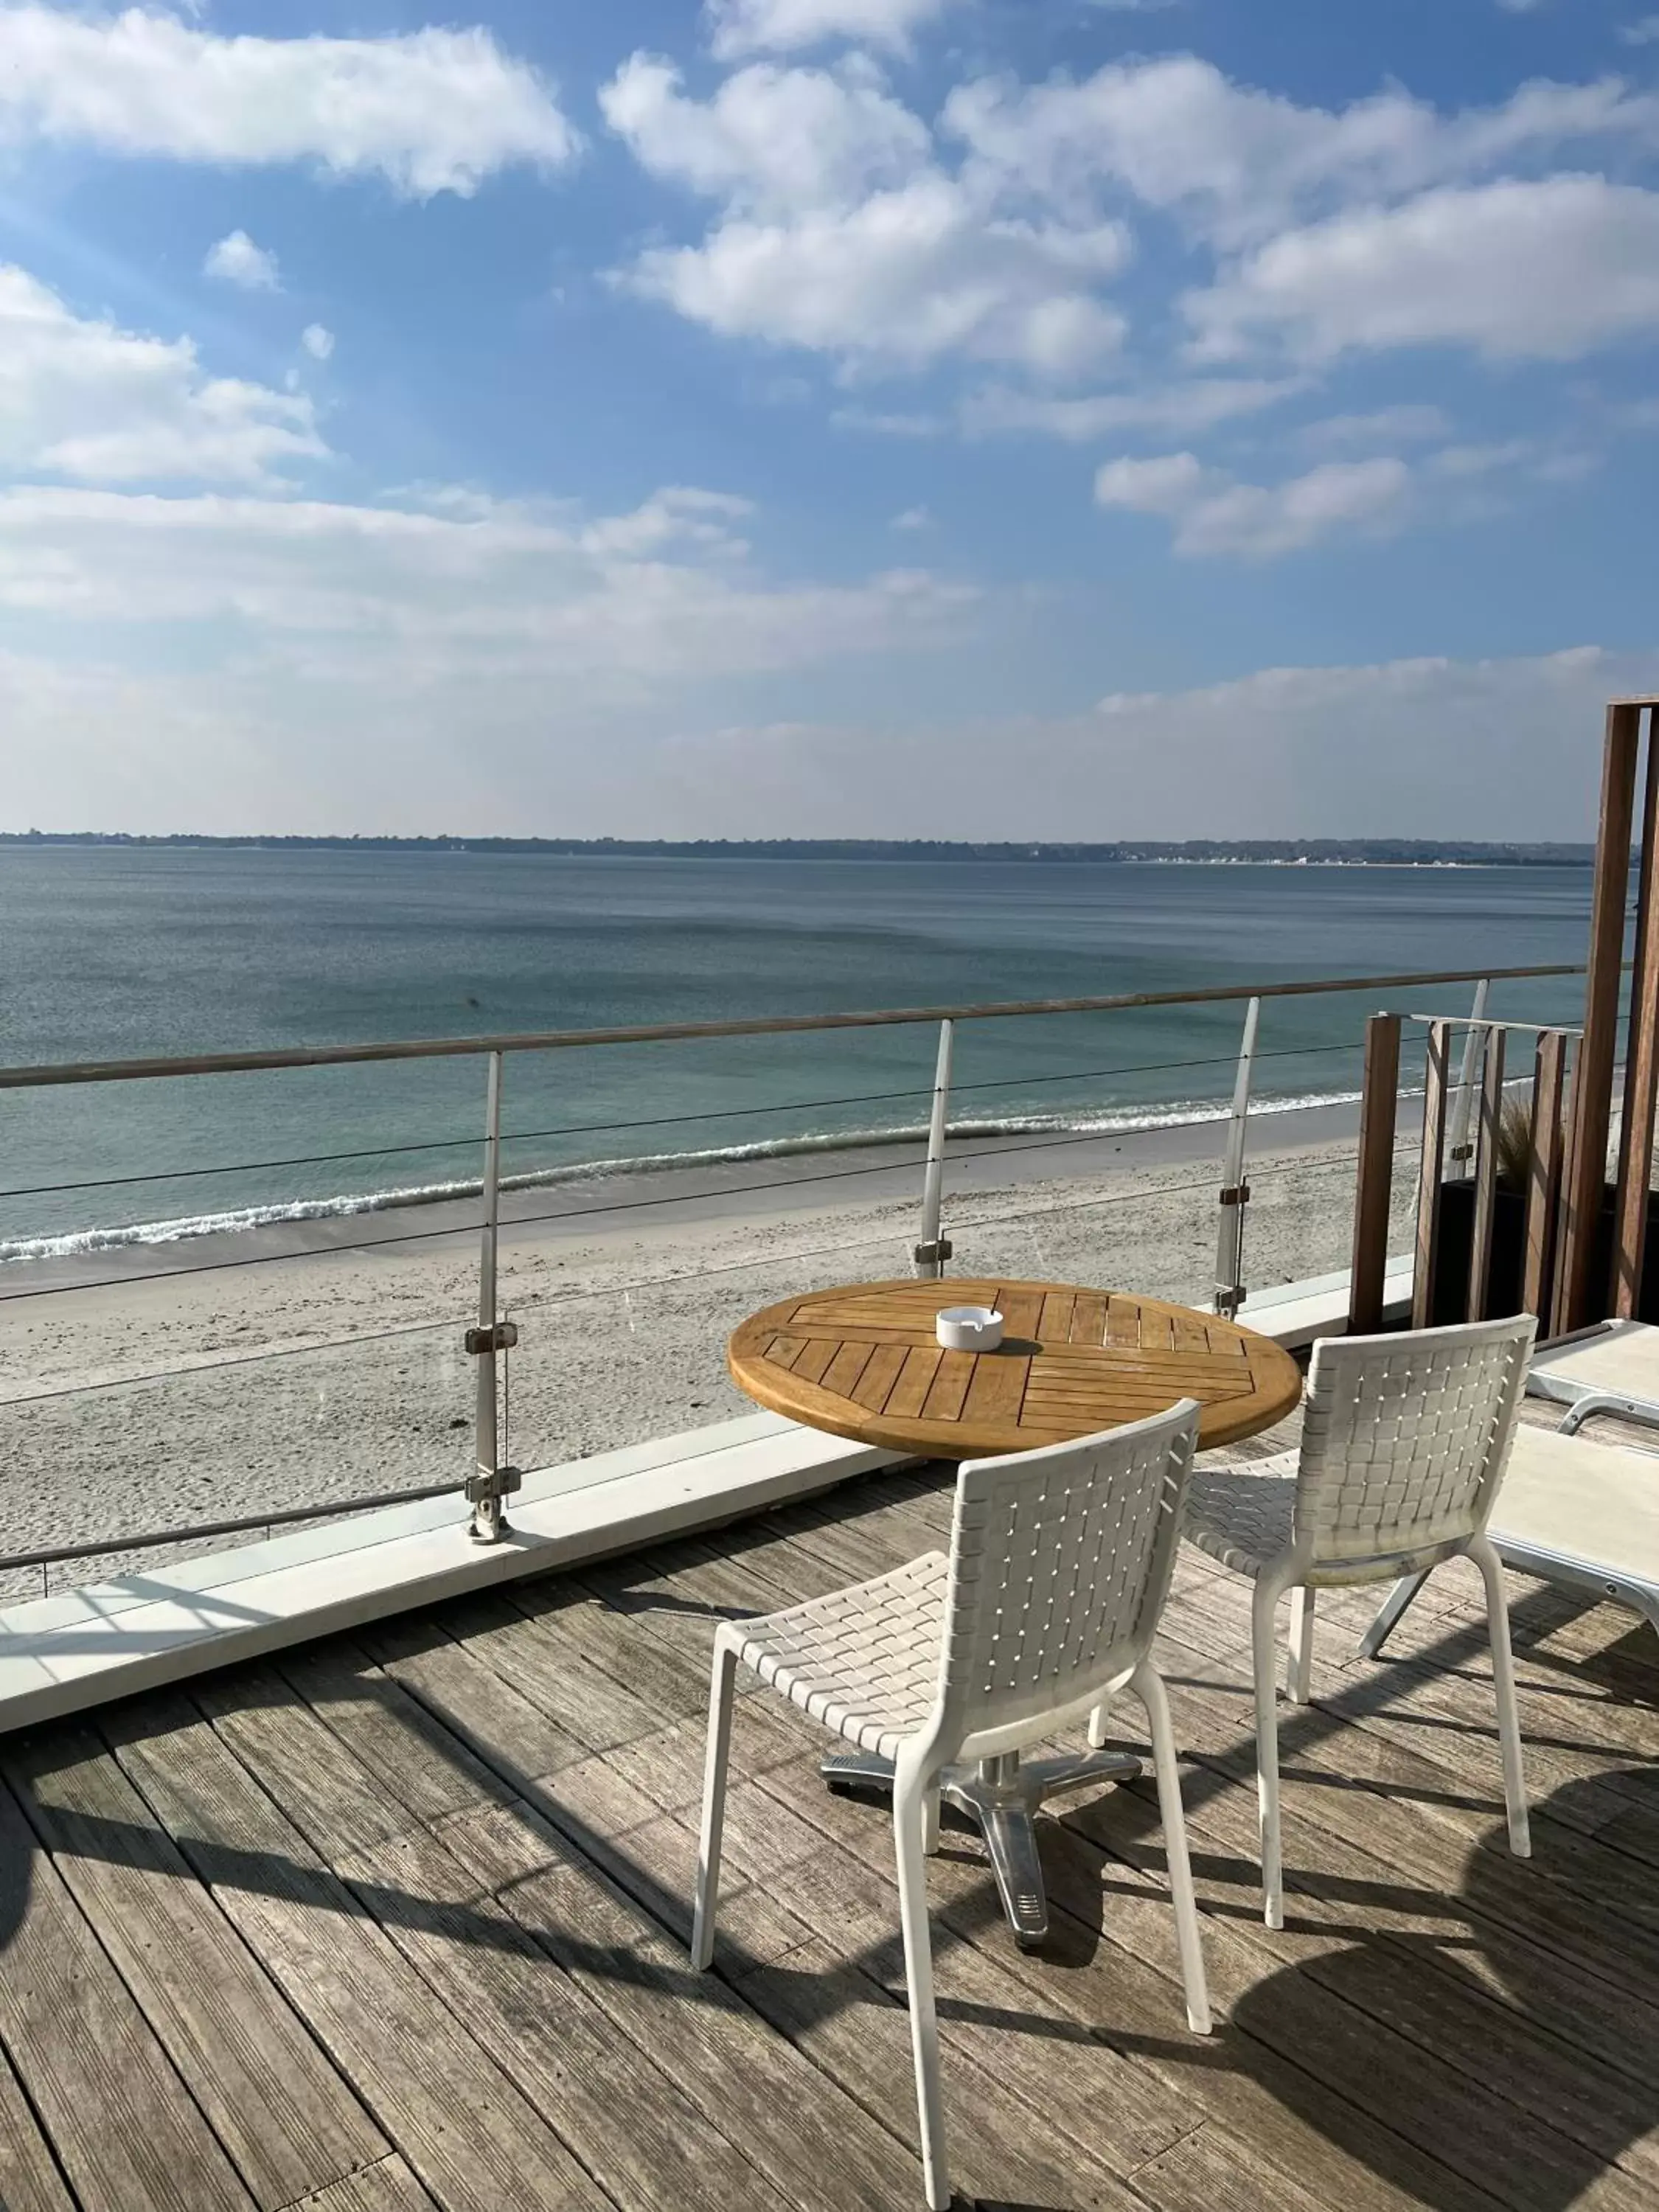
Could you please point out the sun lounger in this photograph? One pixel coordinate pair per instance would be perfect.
(1612, 1367)
(1583, 1515)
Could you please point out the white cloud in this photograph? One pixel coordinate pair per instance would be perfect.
(1548, 269)
(1644, 31)
(1214, 514)
(839, 233)
(318, 341)
(904, 278)
(238, 261)
(85, 400)
(843, 225)
(1236, 164)
(1339, 751)
(912, 518)
(739, 27)
(1178, 409)
(1333, 752)
(1405, 424)
(431, 111)
(771, 140)
(457, 586)
(888, 423)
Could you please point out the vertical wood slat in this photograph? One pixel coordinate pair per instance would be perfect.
(1585, 1178)
(1544, 1172)
(1428, 1190)
(1486, 1171)
(1374, 1191)
(1641, 1072)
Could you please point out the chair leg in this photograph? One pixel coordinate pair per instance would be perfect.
(1299, 1663)
(1148, 1686)
(930, 1820)
(1503, 1679)
(1264, 1655)
(909, 1796)
(1389, 1612)
(714, 1803)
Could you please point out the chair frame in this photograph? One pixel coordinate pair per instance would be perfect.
(1302, 1568)
(975, 1716)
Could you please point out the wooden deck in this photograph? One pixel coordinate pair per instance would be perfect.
(399, 1922)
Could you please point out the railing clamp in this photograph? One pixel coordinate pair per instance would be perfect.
(1236, 1194)
(1462, 1151)
(934, 1253)
(500, 1338)
(1229, 1297)
(483, 1486)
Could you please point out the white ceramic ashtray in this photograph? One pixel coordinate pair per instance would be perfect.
(969, 1328)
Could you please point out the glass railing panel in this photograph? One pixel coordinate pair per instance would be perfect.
(238, 1435)
(643, 1356)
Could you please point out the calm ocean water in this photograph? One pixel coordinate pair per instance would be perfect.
(112, 953)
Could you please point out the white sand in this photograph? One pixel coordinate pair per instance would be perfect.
(623, 1323)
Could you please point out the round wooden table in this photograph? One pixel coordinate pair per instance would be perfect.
(862, 1361)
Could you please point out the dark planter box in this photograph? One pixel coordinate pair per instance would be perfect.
(1503, 1269)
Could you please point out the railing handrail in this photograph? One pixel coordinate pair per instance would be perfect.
(53, 1074)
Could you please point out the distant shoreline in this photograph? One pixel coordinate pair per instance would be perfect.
(1196, 852)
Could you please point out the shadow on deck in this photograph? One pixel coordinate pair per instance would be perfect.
(397, 1921)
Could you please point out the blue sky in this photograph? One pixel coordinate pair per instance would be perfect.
(960, 417)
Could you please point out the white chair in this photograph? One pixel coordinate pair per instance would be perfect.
(1404, 1443)
(1044, 1611)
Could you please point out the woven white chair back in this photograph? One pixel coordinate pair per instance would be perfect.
(1405, 1439)
(1060, 1564)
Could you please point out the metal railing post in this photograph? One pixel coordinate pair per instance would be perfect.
(1459, 1150)
(934, 1249)
(1235, 1191)
(491, 1482)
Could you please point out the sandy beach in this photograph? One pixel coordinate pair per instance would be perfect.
(220, 1376)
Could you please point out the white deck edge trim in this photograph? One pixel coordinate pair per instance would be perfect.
(62, 1655)
(85, 1647)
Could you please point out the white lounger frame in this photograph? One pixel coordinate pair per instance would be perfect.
(1603, 1577)
(1584, 1399)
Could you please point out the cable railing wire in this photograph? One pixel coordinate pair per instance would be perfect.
(98, 1547)
(534, 1304)
(278, 1516)
(646, 1121)
(619, 1205)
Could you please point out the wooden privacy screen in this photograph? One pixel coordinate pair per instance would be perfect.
(1565, 1170)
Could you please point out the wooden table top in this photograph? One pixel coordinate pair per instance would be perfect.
(862, 1361)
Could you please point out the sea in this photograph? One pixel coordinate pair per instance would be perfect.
(120, 952)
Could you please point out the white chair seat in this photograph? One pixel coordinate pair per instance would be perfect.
(863, 1661)
(1241, 1516)
(1244, 1516)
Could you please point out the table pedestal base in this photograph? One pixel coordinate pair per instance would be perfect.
(1001, 1794)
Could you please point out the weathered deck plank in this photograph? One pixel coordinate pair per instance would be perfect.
(439, 1876)
(287, 2120)
(29, 2178)
(470, 2136)
(120, 2119)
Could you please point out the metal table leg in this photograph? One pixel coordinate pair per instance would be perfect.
(1001, 1794)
